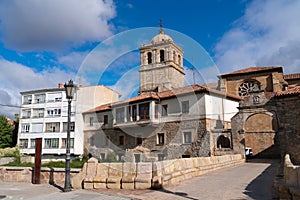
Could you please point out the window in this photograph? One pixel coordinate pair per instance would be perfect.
(121, 140)
(54, 97)
(144, 111)
(51, 143)
(64, 143)
(38, 113)
(54, 112)
(23, 143)
(39, 98)
(91, 121)
(27, 99)
(139, 140)
(105, 119)
(102, 156)
(128, 113)
(32, 143)
(53, 127)
(161, 157)
(149, 57)
(137, 157)
(160, 138)
(164, 110)
(174, 56)
(162, 55)
(134, 113)
(65, 126)
(248, 86)
(25, 128)
(37, 128)
(185, 106)
(120, 115)
(187, 137)
(26, 113)
(156, 111)
(179, 59)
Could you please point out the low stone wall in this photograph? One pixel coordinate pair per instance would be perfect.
(288, 186)
(145, 175)
(6, 160)
(25, 174)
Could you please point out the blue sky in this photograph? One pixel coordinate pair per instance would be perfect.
(43, 43)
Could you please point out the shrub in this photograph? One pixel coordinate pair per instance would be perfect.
(10, 152)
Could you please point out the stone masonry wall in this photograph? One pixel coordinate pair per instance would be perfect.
(288, 187)
(25, 174)
(130, 175)
(288, 112)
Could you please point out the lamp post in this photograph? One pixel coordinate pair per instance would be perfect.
(70, 90)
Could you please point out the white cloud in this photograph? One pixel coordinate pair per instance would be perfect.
(73, 60)
(267, 35)
(51, 24)
(15, 78)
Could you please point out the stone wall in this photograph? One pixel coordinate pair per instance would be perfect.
(25, 174)
(287, 110)
(172, 148)
(288, 187)
(144, 175)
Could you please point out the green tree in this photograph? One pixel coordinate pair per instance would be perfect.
(6, 132)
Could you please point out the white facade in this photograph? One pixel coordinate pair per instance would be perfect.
(44, 115)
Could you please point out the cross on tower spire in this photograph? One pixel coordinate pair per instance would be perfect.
(160, 27)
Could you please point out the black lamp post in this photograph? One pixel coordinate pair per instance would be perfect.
(70, 90)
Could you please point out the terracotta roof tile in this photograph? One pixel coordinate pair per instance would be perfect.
(291, 76)
(252, 69)
(103, 107)
(292, 91)
(164, 95)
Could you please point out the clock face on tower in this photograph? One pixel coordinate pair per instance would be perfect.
(247, 87)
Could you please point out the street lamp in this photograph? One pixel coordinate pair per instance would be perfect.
(70, 90)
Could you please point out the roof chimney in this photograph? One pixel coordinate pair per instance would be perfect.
(60, 85)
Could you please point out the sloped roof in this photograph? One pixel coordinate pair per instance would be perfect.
(252, 70)
(291, 76)
(165, 95)
(289, 92)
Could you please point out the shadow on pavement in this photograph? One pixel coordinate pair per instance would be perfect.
(181, 194)
(262, 186)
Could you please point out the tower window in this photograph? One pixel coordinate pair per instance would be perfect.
(149, 57)
(179, 59)
(162, 55)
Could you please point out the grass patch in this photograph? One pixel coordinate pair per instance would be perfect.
(75, 163)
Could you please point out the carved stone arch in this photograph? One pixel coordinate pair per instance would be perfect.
(223, 142)
(259, 122)
(260, 133)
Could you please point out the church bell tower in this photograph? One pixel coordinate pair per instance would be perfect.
(161, 66)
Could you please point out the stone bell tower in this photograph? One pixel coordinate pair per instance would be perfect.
(161, 66)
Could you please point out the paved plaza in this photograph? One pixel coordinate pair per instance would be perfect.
(252, 180)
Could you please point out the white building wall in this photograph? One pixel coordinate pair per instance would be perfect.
(85, 99)
(219, 108)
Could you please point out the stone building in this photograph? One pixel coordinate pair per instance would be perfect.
(288, 112)
(262, 118)
(166, 120)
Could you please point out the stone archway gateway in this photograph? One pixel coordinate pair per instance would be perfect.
(260, 133)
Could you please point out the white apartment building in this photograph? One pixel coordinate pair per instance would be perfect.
(44, 115)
